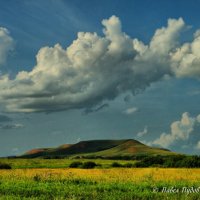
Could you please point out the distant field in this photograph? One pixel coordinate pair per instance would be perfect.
(96, 184)
(56, 163)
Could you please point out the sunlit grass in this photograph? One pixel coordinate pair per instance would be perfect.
(108, 175)
(103, 183)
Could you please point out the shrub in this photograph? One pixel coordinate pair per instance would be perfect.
(76, 164)
(5, 166)
(89, 165)
(116, 164)
(128, 165)
(141, 164)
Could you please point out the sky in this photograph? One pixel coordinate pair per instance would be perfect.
(110, 69)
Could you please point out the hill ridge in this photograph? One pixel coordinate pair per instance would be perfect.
(98, 148)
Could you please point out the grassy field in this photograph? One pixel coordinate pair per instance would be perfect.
(116, 183)
(95, 184)
(55, 163)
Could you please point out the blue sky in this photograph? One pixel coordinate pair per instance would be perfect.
(120, 80)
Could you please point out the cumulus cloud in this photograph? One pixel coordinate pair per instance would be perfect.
(95, 69)
(6, 44)
(11, 126)
(142, 133)
(130, 111)
(198, 145)
(186, 59)
(180, 130)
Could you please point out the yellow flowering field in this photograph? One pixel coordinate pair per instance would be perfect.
(111, 184)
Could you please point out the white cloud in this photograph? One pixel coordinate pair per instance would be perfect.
(198, 145)
(180, 130)
(186, 59)
(165, 39)
(142, 133)
(198, 118)
(78, 140)
(96, 69)
(130, 111)
(6, 44)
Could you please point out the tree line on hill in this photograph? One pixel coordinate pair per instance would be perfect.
(175, 161)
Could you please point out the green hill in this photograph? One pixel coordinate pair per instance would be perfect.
(98, 148)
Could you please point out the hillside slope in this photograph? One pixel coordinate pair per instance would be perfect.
(130, 148)
(98, 148)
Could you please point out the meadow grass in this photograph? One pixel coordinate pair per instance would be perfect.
(97, 184)
(56, 163)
